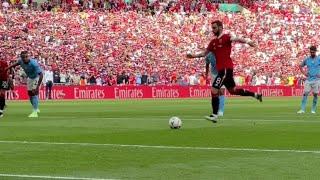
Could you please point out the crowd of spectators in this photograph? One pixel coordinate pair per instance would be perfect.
(289, 6)
(117, 45)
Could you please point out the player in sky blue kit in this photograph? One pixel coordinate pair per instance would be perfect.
(35, 76)
(211, 61)
(313, 79)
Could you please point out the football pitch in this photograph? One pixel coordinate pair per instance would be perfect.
(131, 139)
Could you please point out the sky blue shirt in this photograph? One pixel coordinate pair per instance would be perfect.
(32, 69)
(211, 59)
(313, 65)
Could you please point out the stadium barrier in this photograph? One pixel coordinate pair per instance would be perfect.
(141, 92)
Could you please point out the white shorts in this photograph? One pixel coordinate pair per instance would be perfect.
(32, 83)
(311, 86)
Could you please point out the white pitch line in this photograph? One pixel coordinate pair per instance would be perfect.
(48, 177)
(165, 147)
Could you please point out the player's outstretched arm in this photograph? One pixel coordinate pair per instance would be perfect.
(243, 40)
(36, 91)
(12, 66)
(40, 79)
(198, 55)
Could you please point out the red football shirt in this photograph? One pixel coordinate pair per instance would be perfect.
(221, 48)
(4, 75)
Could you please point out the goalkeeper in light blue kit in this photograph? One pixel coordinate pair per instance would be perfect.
(35, 76)
(313, 79)
(211, 61)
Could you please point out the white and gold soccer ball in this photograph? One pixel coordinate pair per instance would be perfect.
(175, 122)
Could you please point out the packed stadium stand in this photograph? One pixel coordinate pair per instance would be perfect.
(140, 42)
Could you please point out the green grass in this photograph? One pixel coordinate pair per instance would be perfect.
(247, 124)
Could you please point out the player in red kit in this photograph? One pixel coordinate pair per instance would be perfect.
(221, 48)
(4, 85)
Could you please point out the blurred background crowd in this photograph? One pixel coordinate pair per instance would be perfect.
(140, 42)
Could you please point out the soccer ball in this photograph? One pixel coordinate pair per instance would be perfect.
(175, 123)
